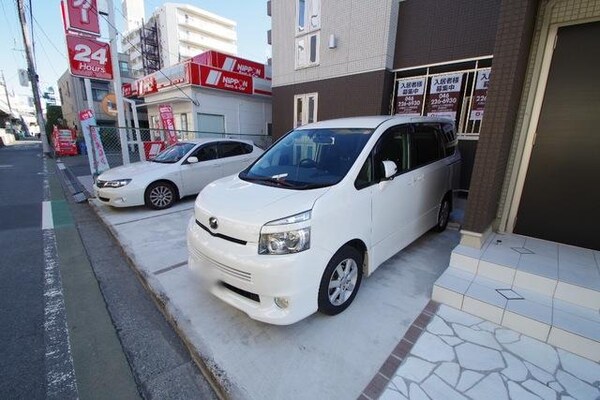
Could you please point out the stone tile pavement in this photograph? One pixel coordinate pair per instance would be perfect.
(459, 356)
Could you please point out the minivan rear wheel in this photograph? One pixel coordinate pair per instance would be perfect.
(443, 215)
(340, 281)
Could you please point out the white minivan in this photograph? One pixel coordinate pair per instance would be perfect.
(326, 204)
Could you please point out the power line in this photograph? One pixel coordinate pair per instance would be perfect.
(49, 40)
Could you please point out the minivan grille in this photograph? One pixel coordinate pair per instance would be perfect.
(233, 272)
(221, 236)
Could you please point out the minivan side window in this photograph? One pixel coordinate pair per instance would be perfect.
(392, 146)
(365, 175)
(425, 147)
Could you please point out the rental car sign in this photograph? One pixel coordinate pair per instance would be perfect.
(89, 58)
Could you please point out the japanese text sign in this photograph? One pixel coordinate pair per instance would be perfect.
(444, 95)
(480, 94)
(89, 58)
(92, 139)
(409, 96)
(82, 16)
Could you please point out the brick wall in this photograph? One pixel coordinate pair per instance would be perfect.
(511, 52)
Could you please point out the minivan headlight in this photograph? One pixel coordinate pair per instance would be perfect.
(117, 183)
(285, 236)
(287, 242)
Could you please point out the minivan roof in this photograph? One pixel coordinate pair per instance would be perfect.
(371, 122)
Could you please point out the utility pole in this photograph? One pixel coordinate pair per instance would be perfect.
(6, 92)
(33, 77)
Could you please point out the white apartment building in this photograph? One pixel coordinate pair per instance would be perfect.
(176, 32)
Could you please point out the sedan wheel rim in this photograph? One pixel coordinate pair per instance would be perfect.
(161, 196)
(342, 282)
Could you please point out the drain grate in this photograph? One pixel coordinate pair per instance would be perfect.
(522, 250)
(510, 294)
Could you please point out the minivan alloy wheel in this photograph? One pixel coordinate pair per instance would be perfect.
(343, 282)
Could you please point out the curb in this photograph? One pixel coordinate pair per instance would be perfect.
(217, 378)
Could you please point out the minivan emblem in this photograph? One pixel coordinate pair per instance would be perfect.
(213, 222)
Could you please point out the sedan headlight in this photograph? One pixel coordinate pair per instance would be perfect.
(275, 239)
(117, 183)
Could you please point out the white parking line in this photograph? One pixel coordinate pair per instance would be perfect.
(47, 220)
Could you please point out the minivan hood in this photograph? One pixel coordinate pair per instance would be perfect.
(132, 170)
(242, 208)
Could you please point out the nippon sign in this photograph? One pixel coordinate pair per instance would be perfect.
(81, 16)
(225, 80)
(89, 58)
(226, 62)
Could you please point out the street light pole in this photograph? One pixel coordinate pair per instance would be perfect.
(33, 77)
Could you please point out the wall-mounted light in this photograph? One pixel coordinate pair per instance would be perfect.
(332, 41)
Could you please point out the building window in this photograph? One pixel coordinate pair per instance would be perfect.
(99, 94)
(183, 121)
(305, 108)
(124, 67)
(308, 18)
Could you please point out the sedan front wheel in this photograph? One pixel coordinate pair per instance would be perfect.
(160, 195)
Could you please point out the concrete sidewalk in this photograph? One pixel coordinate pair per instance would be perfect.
(319, 357)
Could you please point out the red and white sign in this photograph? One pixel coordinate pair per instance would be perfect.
(168, 123)
(89, 58)
(129, 90)
(146, 85)
(409, 96)
(175, 75)
(225, 80)
(64, 142)
(444, 95)
(480, 94)
(81, 16)
(231, 63)
(92, 140)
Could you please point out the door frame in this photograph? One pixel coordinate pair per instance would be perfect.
(535, 100)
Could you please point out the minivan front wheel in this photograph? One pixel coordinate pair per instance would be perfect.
(340, 281)
(443, 215)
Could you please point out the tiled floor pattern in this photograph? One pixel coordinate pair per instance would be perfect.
(460, 356)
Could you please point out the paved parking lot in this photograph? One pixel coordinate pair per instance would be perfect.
(320, 357)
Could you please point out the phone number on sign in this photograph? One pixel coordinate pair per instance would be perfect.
(447, 100)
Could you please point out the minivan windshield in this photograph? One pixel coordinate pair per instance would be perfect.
(309, 158)
(173, 153)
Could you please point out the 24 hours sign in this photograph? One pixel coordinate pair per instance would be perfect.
(89, 58)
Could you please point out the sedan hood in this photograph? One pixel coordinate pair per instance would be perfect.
(132, 170)
(242, 208)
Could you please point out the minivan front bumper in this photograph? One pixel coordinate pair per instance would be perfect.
(251, 282)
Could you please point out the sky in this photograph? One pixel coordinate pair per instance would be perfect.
(50, 49)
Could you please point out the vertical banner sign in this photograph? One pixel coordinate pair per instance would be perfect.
(444, 94)
(82, 16)
(168, 123)
(480, 94)
(409, 96)
(91, 136)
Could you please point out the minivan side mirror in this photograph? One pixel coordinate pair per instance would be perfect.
(192, 160)
(390, 168)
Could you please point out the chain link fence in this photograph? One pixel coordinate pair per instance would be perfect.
(139, 139)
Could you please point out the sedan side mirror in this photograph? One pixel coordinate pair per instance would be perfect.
(390, 168)
(192, 160)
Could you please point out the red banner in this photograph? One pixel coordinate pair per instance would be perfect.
(82, 16)
(89, 58)
(129, 90)
(146, 85)
(480, 94)
(168, 123)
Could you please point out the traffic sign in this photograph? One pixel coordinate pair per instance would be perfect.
(89, 58)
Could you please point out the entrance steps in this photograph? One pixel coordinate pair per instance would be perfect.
(547, 290)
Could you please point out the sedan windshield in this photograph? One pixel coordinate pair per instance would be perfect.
(309, 158)
(173, 153)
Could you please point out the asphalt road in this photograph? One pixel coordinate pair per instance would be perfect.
(75, 322)
(22, 346)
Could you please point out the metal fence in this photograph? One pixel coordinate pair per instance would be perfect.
(136, 137)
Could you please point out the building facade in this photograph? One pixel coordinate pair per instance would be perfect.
(174, 33)
(73, 97)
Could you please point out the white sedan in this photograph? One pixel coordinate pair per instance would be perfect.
(178, 171)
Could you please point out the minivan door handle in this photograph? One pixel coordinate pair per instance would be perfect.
(419, 178)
